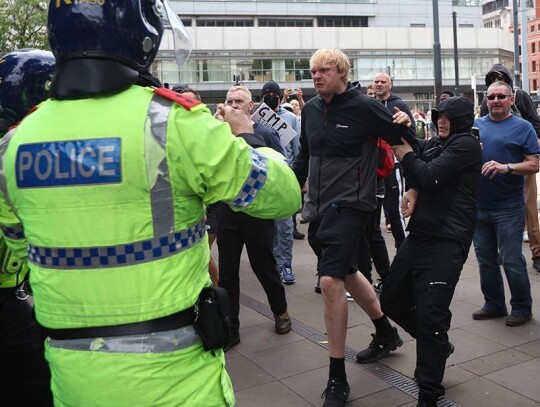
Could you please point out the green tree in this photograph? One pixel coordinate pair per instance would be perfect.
(23, 24)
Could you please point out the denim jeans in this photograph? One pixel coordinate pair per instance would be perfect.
(499, 233)
(283, 241)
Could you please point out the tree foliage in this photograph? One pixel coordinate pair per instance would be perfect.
(23, 24)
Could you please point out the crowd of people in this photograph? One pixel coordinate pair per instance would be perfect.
(128, 305)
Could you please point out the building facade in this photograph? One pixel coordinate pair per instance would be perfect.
(251, 42)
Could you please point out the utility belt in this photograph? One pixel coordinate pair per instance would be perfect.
(168, 323)
(210, 318)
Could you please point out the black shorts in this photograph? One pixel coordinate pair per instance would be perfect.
(334, 238)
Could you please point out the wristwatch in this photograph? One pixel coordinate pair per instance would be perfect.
(510, 168)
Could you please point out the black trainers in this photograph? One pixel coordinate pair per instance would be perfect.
(298, 235)
(336, 393)
(379, 347)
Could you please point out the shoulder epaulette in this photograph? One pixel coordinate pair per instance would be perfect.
(184, 101)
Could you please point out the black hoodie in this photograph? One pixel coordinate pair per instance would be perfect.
(523, 101)
(446, 175)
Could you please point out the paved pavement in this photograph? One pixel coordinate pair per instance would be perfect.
(493, 365)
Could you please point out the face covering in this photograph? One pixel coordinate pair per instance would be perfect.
(271, 101)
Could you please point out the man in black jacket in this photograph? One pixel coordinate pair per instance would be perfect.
(524, 107)
(419, 287)
(338, 148)
(236, 230)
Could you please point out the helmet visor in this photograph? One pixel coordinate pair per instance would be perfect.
(175, 36)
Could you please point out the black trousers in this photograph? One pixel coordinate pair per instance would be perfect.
(393, 195)
(373, 246)
(25, 373)
(417, 293)
(236, 229)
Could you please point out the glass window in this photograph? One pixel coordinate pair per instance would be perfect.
(285, 22)
(474, 3)
(223, 22)
(297, 70)
(342, 21)
(261, 70)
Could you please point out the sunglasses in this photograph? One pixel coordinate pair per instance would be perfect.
(500, 97)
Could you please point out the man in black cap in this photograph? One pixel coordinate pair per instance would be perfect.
(283, 238)
(523, 107)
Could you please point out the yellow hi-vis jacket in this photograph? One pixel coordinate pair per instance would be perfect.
(106, 197)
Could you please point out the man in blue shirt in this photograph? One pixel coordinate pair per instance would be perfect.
(510, 152)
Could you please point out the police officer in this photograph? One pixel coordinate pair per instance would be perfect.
(24, 75)
(109, 179)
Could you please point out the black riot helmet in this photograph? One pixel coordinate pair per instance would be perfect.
(109, 42)
(25, 77)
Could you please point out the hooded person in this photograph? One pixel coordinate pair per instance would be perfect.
(285, 228)
(271, 94)
(523, 106)
(443, 181)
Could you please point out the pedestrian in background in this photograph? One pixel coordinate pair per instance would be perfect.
(509, 153)
(523, 107)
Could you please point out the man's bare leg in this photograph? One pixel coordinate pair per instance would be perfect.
(336, 313)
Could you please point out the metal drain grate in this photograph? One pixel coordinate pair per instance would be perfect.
(379, 370)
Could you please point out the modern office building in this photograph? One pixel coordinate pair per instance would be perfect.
(252, 41)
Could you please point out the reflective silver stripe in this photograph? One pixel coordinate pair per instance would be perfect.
(155, 140)
(255, 181)
(155, 342)
(117, 256)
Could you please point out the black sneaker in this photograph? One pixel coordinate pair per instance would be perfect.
(379, 347)
(336, 393)
(298, 235)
